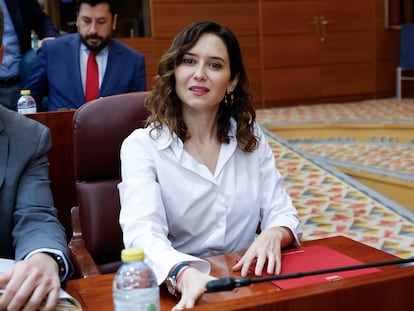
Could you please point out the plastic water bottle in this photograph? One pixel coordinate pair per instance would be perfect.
(35, 41)
(135, 286)
(26, 103)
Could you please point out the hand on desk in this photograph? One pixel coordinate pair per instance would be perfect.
(192, 286)
(30, 281)
(266, 248)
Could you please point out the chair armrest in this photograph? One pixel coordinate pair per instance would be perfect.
(79, 254)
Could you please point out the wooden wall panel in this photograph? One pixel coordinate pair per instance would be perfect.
(281, 83)
(387, 49)
(289, 17)
(169, 17)
(250, 48)
(299, 50)
(255, 78)
(348, 15)
(385, 79)
(348, 47)
(354, 79)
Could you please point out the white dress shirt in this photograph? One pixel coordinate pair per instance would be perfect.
(176, 210)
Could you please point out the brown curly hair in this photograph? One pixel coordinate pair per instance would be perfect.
(166, 108)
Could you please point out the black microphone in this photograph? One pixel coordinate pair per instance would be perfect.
(229, 283)
(407, 264)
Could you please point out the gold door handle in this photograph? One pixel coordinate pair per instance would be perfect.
(323, 22)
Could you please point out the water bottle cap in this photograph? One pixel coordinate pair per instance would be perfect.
(132, 254)
(25, 92)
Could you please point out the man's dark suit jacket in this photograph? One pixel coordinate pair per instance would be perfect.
(28, 218)
(26, 16)
(56, 72)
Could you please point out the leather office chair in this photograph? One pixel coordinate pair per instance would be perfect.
(406, 56)
(99, 127)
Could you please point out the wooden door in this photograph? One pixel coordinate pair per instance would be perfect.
(347, 53)
(316, 51)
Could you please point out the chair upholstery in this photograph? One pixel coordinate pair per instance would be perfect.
(406, 57)
(99, 127)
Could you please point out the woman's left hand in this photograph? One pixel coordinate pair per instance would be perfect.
(266, 248)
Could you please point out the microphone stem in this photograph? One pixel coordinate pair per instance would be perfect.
(228, 283)
(331, 270)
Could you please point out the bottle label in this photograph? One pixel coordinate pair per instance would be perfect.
(142, 299)
(27, 110)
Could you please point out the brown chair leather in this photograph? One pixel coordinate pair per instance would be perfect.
(99, 128)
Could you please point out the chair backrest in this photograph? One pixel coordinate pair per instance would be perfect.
(407, 46)
(99, 128)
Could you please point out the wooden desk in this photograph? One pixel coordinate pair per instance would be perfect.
(389, 289)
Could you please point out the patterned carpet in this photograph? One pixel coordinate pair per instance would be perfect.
(389, 159)
(330, 202)
(371, 111)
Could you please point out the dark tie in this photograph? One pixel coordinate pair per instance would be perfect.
(92, 78)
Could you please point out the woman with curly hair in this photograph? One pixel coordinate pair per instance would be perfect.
(200, 177)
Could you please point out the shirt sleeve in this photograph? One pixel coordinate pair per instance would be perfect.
(142, 217)
(35, 215)
(277, 208)
(64, 276)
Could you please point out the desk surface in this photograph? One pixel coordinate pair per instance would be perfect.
(389, 289)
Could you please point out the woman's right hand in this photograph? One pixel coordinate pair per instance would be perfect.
(192, 285)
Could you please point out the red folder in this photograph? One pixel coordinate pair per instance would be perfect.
(311, 258)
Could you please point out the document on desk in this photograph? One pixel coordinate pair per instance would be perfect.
(312, 258)
(66, 301)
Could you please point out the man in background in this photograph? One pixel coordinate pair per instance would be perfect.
(30, 231)
(61, 69)
(21, 17)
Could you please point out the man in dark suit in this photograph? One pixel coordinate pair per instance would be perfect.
(60, 66)
(29, 228)
(20, 18)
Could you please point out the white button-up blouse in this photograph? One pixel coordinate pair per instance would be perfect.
(176, 210)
